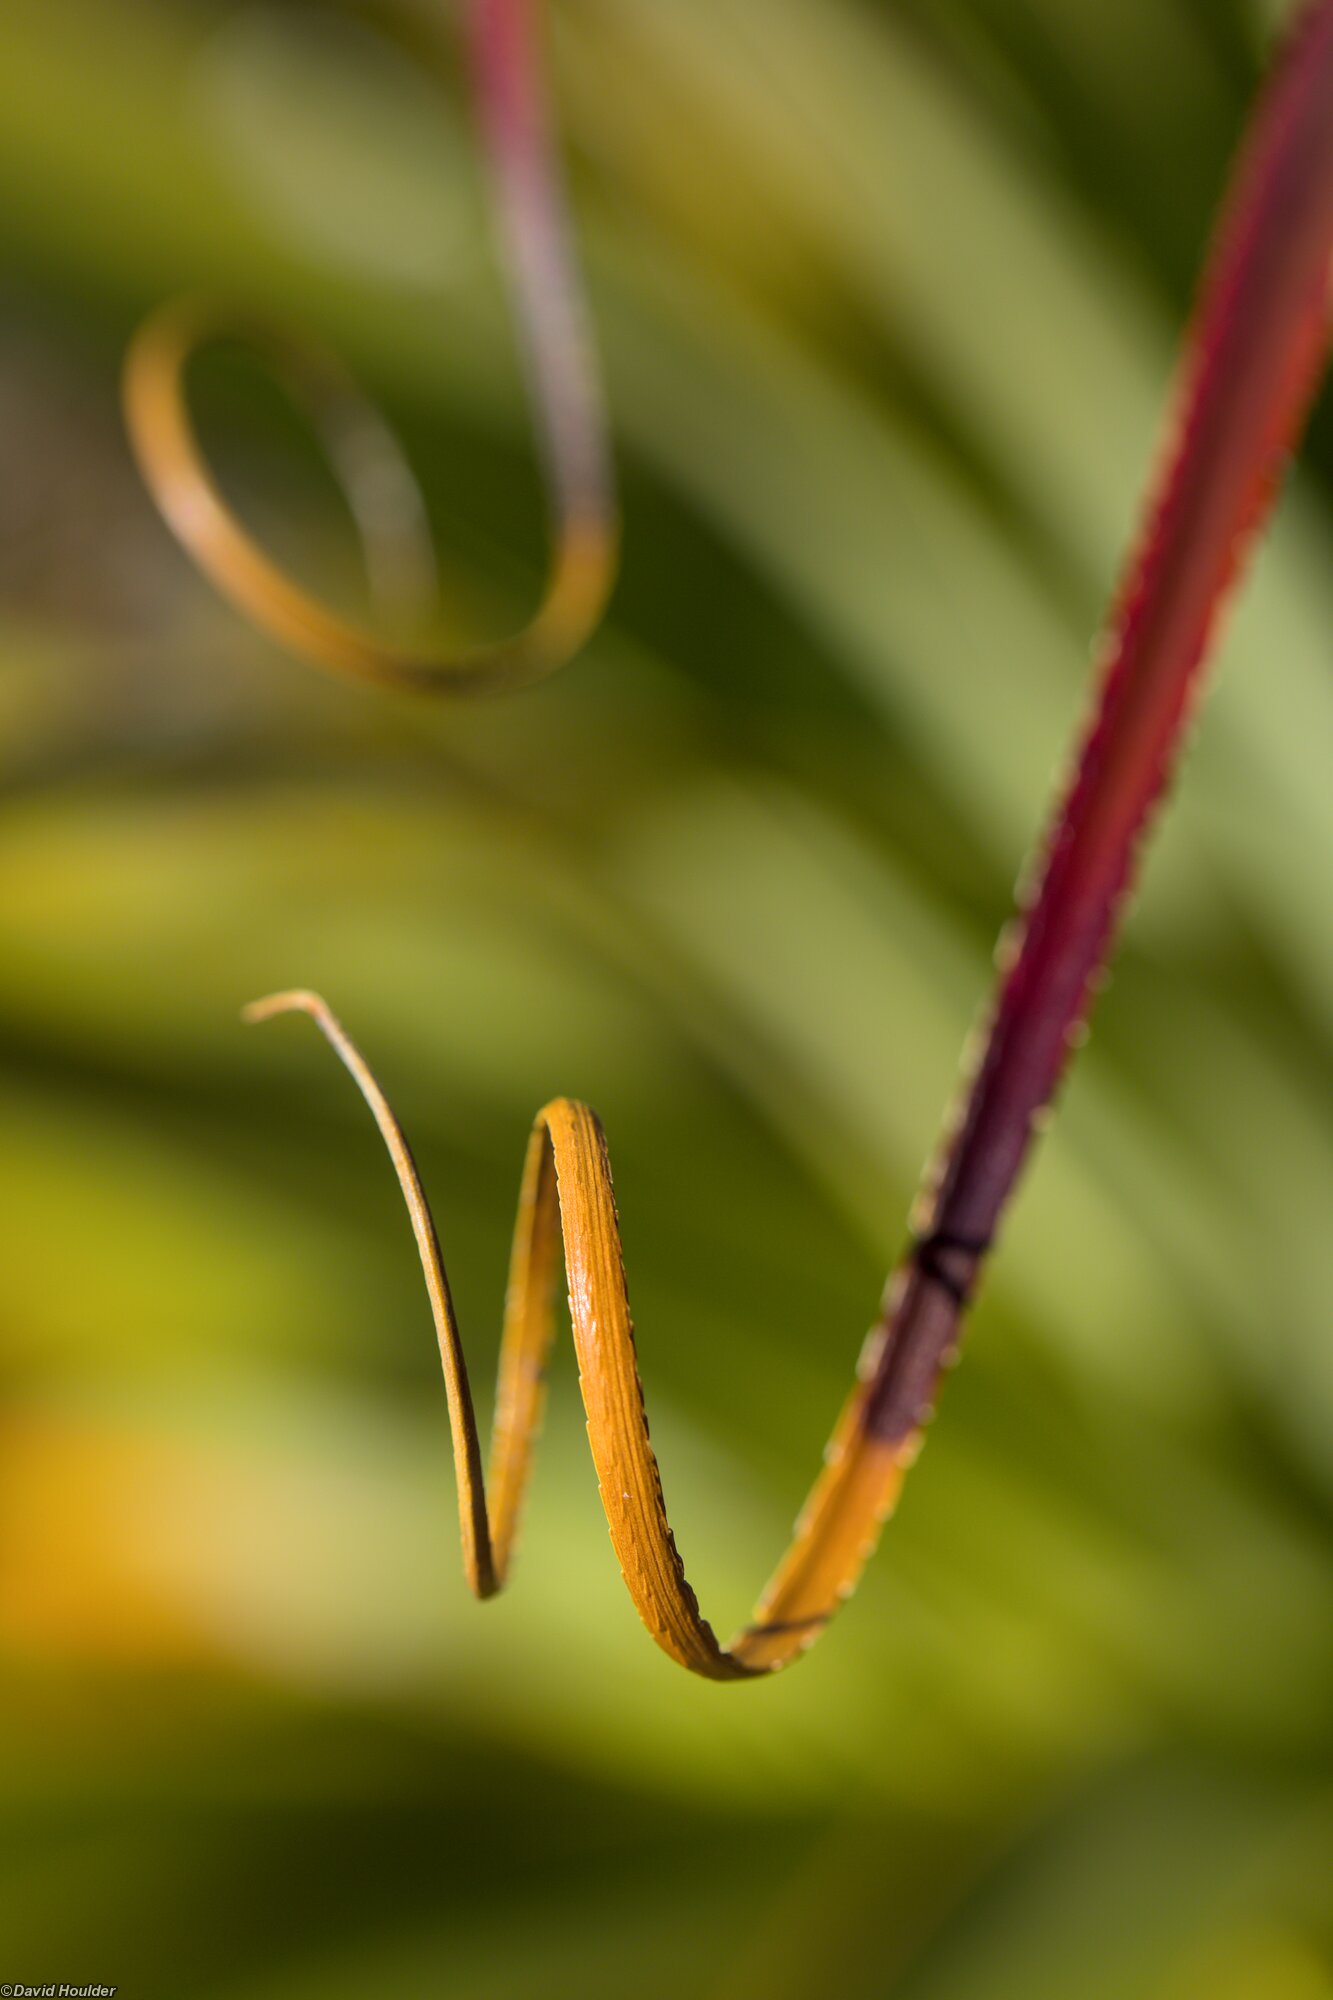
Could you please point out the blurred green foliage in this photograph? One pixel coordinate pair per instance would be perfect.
(888, 292)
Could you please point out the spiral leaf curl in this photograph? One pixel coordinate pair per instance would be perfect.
(566, 1201)
(564, 394)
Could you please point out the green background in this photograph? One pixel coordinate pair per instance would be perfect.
(888, 296)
